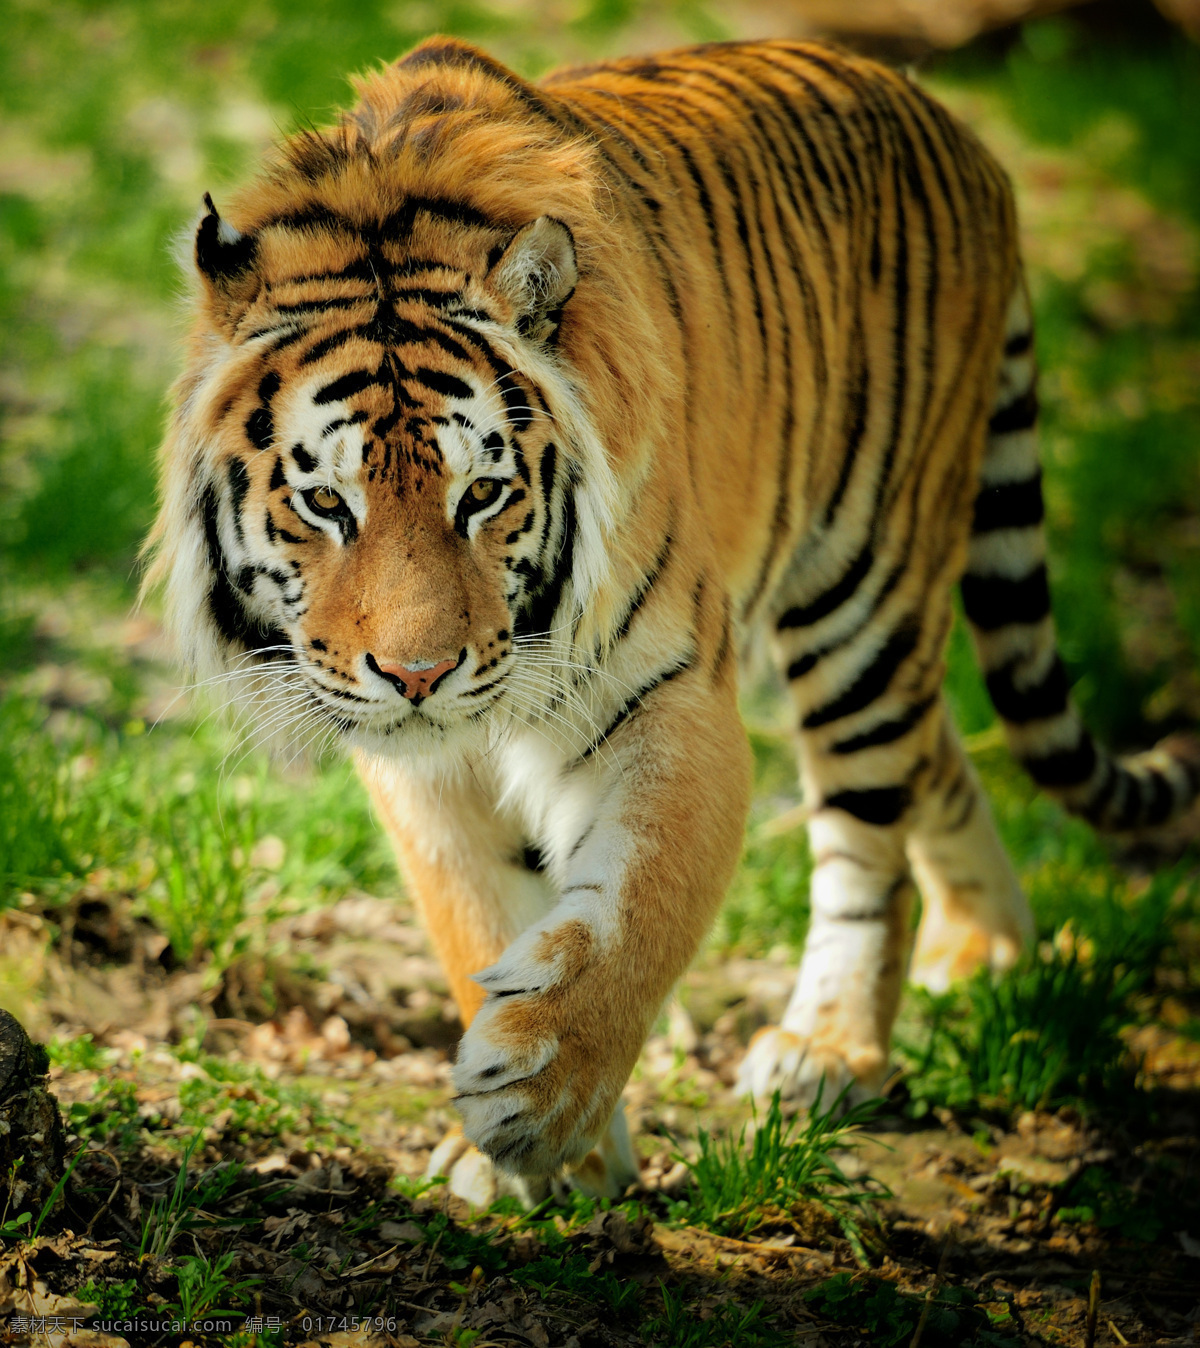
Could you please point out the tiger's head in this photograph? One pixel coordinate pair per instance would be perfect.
(382, 475)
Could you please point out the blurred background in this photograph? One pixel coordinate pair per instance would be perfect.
(154, 869)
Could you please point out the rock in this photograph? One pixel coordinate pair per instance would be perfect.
(32, 1140)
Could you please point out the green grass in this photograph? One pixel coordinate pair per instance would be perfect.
(952, 1318)
(727, 1326)
(1052, 1031)
(775, 1168)
(114, 1300)
(159, 816)
(205, 1288)
(1045, 1035)
(235, 1105)
(1096, 1197)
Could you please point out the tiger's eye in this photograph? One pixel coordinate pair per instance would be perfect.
(483, 489)
(325, 499)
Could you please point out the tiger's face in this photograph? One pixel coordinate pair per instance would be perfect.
(380, 498)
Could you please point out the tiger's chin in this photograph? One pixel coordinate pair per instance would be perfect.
(324, 736)
(417, 737)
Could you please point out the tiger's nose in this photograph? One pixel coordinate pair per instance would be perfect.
(418, 679)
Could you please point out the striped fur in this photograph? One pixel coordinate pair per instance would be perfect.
(511, 412)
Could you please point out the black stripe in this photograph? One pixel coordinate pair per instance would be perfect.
(1019, 343)
(400, 223)
(1063, 767)
(1097, 806)
(855, 408)
(239, 485)
(833, 598)
(1129, 806)
(311, 217)
(888, 731)
(227, 613)
(871, 683)
(333, 342)
(799, 668)
(446, 384)
(516, 402)
(546, 470)
(1019, 706)
(449, 52)
(633, 703)
(320, 305)
(725, 644)
(538, 611)
(1018, 415)
(1162, 798)
(304, 460)
(259, 426)
(1011, 505)
(347, 386)
(482, 688)
(643, 590)
(992, 602)
(881, 805)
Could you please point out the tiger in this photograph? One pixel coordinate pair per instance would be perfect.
(512, 416)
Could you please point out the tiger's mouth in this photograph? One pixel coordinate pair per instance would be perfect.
(384, 703)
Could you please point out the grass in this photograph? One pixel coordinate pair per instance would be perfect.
(727, 1326)
(231, 1103)
(159, 815)
(951, 1318)
(1046, 1035)
(204, 1285)
(24, 1226)
(779, 1167)
(1053, 1031)
(1098, 1197)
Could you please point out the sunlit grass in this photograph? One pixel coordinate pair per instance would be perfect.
(209, 855)
(778, 1167)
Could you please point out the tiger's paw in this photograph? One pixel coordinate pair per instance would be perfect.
(951, 953)
(802, 1070)
(471, 1176)
(541, 1068)
(605, 1172)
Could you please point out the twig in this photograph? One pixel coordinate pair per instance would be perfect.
(429, 1261)
(1120, 1337)
(360, 1268)
(753, 1247)
(1089, 1333)
(931, 1293)
(104, 1207)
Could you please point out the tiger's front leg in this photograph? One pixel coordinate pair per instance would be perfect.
(642, 837)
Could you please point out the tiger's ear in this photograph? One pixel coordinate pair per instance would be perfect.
(225, 258)
(535, 276)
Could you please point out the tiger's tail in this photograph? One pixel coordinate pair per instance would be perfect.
(1007, 601)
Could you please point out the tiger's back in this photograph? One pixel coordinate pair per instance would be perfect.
(836, 257)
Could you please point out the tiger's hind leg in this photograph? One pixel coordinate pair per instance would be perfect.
(865, 680)
(973, 912)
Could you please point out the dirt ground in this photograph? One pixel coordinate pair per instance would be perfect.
(358, 1017)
